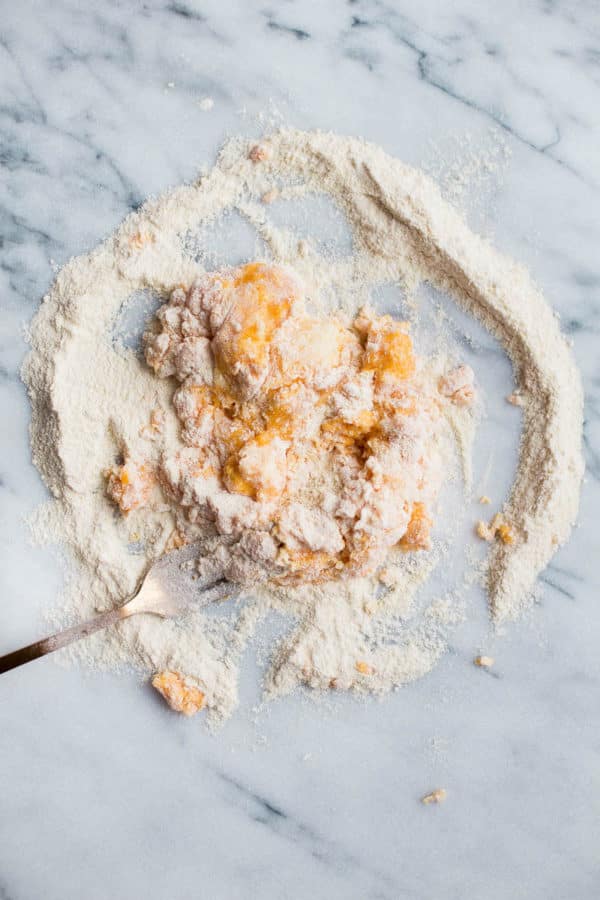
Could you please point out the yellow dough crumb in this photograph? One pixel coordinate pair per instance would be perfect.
(497, 528)
(437, 796)
(181, 696)
(129, 485)
(416, 536)
(505, 533)
(259, 153)
(140, 239)
(484, 662)
(389, 350)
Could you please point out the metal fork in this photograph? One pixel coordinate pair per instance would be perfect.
(166, 590)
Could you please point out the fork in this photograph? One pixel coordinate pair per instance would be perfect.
(166, 590)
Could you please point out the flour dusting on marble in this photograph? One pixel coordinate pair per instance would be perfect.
(91, 397)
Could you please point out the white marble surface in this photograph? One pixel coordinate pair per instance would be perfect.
(102, 793)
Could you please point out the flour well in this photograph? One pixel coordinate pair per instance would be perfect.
(92, 402)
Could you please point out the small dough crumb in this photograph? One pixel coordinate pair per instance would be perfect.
(390, 576)
(139, 239)
(457, 385)
(269, 196)
(484, 531)
(484, 662)
(175, 541)
(497, 528)
(181, 696)
(129, 485)
(155, 427)
(515, 398)
(364, 668)
(505, 533)
(259, 153)
(437, 796)
(484, 499)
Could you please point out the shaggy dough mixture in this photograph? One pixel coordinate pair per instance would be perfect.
(309, 444)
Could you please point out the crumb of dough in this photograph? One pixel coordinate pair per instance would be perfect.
(458, 385)
(157, 420)
(515, 399)
(269, 196)
(484, 662)
(484, 499)
(484, 531)
(155, 426)
(179, 694)
(259, 153)
(437, 796)
(364, 668)
(497, 528)
(416, 536)
(390, 576)
(129, 485)
(175, 541)
(505, 533)
(140, 238)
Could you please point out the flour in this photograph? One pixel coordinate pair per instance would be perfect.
(92, 402)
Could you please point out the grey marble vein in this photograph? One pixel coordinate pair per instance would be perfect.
(322, 849)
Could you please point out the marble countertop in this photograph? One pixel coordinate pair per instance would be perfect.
(101, 794)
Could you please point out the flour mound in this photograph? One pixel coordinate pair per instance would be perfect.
(90, 402)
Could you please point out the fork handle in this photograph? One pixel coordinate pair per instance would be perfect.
(56, 641)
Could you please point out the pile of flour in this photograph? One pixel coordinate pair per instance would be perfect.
(90, 401)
